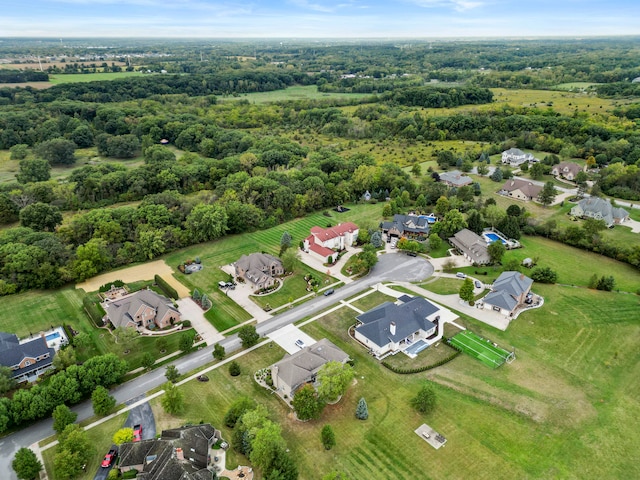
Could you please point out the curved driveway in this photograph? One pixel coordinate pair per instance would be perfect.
(390, 267)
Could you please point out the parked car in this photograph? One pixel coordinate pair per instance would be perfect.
(137, 432)
(222, 284)
(412, 254)
(300, 343)
(478, 284)
(328, 292)
(109, 458)
(461, 275)
(426, 435)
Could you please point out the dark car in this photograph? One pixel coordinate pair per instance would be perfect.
(109, 458)
(328, 292)
(137, 433)
(412, 254)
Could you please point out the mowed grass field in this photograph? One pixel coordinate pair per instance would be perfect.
(566, 407)
(572, 379)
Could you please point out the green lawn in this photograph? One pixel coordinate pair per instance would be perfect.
(575, 377)
(89, 77)
(444, 286)
(372, 300)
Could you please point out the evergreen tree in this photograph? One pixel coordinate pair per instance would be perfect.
(362, 411)
(497, 175)
(327, 437)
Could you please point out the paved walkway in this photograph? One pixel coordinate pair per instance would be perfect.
(634, 225)
(135, 274)
(240, 294)
(190, 310)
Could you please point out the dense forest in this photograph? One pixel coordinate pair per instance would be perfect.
(244, 166)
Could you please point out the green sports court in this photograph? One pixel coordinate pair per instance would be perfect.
(482, 349)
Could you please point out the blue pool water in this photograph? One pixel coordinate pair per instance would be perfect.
(494, 238)
(417, 347)
(53, 336)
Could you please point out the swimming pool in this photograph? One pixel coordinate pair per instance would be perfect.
(417, 347)
(492, 237)
(53, 336)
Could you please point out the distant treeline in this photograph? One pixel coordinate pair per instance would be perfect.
(619, 90)
(440, 97)
(138, 88)
(19, 76)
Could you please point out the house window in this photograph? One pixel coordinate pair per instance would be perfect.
(27, 363)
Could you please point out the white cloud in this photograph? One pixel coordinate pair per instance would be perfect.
(316, 7)
(458, 5)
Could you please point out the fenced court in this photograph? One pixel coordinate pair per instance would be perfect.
(482, 349)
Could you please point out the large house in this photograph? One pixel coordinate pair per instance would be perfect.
(179, 454)
(324, 243)
(472, 246)
(508, 292)
(407, 226)
(520, 189)
(600, 209)
(141, 310)
(259, 269)
(455, 178)
(28, 359)
(392, 327)
(341, 236)
(516, 157)
(567, 170)
(294, 371)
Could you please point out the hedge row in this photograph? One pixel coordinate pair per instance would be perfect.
(406, 371)
(166, 288)
(94, 310)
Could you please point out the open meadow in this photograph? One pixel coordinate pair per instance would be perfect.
(298, 92)
(89, 77)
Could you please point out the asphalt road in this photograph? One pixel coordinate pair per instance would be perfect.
(390, 267)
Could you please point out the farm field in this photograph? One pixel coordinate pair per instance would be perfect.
(89, 77)
(306, 92)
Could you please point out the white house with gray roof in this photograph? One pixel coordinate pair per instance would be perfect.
(600, 209)
(516, 157)
(392, 327)
(509, 291)
(293, 371)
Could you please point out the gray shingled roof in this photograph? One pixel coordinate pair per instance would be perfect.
(471, 244)
(409, 317)
(456, 178)
(507, 289)
(122, 311)
(408, 223)
(597, 205)
(297, 368)
(12, 353)
(257, 261)
(162, 463)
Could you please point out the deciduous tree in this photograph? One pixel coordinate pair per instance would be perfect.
(306, 403)
(34, 170)
(466, 290)
(248, 335)
(26, 464)
(333, 378)
(218, 352)
(173, 399)
(327, 437)
(62, 416)
(496, 251)
(425, 399)
(172, 373)
(40, 217)
(102, 401)
(123, 435)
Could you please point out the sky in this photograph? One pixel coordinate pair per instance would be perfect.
(318, 18)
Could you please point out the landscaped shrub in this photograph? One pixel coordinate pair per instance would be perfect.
(166, 288)
(186, 323)
(406, 371)
(107, 286)
(94, 310)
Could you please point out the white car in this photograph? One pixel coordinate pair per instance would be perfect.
(300, 343)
